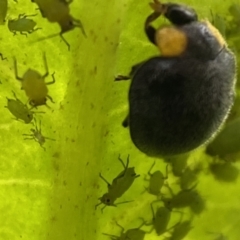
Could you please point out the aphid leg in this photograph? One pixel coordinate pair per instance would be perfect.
(97, 205)
(119, 158)
(144, 223)
(34, 30)
(166, 172)
(23, 15)
(45, 65)
(113, 237)
(50, 138)
(149, 171)
(65, 41)
(122, 228)
(169, 189)
(103, 208)
(78, 23)
(53, 80)
(23, 33)
(14, 94)
(100, 175)
(2, 57)
(125, 122)
(50, 98)
(16, 71)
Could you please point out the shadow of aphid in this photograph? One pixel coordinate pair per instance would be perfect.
(224, 171)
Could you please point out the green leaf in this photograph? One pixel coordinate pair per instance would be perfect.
(52, 194)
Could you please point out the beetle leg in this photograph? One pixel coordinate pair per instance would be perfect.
(121, 77)
(125, 122)
(16, 71)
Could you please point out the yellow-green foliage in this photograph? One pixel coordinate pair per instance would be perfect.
(51, 195)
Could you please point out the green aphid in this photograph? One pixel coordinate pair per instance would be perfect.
(130, 234)
(227, 141)
(224, 171)
(156, 181)
(185, 198)
(19, 109)
(37, 135)
(22, 24)
(160, 219)
(119, 186)
(180, 230)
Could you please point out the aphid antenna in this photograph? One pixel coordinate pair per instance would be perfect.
(44, 38)
(123, 202)
(112, 236)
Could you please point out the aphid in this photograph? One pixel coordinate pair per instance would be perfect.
(119, 186)
(22, 24)
(34, 85)
(179, 163)
(59, 11)
(156, 181)
(224, 171)
(185, 198)
(130, 234)
(3, 11)
(227, 141)
(160, 219)
(19, 109)
(188, 178)
(234, 10)
(180, 230)
(37, 135)
(172, 108)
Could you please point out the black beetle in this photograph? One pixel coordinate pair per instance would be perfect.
(179, 100)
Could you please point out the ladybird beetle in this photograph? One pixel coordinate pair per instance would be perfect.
(178, 101)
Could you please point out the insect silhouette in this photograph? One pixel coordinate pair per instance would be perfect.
(119, 186)
(156, 181)
(19, 109)
(59, 11)
(171, 106)
(37, 135)
(22, 24)
(130, 234)
(34, 85)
